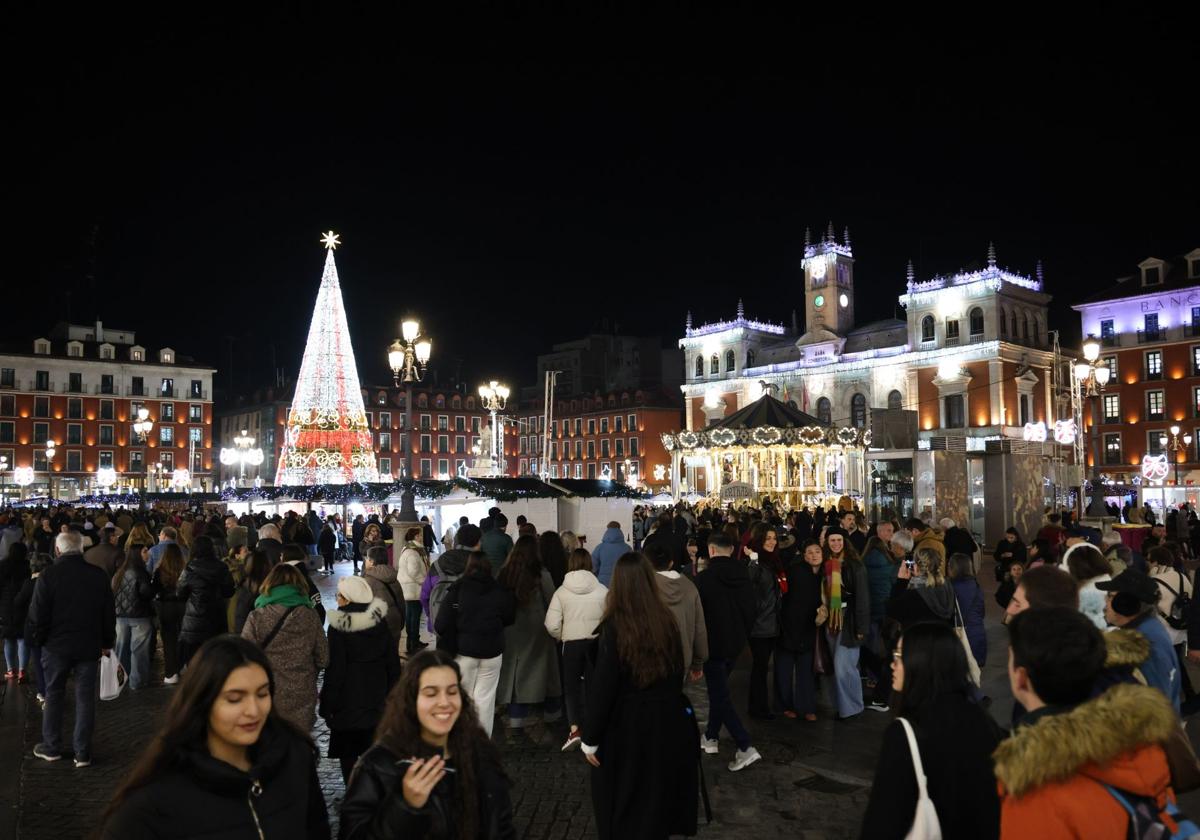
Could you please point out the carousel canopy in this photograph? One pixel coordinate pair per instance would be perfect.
(767, 411)
(767, 422)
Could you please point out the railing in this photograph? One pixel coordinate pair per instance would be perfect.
(1113, 340)
(951, 341)
(1191, 330)
(977, 338)
(1147, 336)
(136, 391)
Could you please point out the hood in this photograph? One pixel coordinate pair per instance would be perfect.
(939, 599)
(1126, 649)
(729, 571)
(1103, 739)
(384, 573)
(673, 587)
(581, 582)
(931, 534)
(453, 563)
(356, 622)
(613, 535)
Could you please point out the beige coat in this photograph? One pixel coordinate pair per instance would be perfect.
(298, 651)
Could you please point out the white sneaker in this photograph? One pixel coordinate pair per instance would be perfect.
(171, 680)
(572, 740)
(744, 758)
(712, 747)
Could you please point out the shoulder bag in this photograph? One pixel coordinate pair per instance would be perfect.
(926, 825)
(960, 630)
(275, 630)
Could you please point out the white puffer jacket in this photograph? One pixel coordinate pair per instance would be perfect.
(411, 570)
(576, 608)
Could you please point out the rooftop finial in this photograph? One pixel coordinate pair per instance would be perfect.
(991, 255)
(689, 319)
(741, 310)
(912, 274)
(807, 237)
(846, 236)
(1039, 272)
(829, 237)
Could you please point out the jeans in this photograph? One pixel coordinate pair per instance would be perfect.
(795, 681)
(720, 704)
(133, 649)
(412, 625)
(16, 654)
(760, 651)
(480, 679)
(87, 692)
(847, 684)
(576, 671)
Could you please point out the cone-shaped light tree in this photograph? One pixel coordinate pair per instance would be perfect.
(327, 440)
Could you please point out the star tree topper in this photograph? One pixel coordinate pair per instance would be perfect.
(330, 240)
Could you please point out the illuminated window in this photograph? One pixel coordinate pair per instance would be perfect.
(1154, 405)
(1154, 364)
(714, 365)
(976, 318)
(927, 328)
(1112, 448)
(729, 362)
(1112, 408)
(858, 411)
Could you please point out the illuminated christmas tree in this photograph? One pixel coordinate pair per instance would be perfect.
(327, 440)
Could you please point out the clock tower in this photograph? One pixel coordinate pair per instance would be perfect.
(828, 283)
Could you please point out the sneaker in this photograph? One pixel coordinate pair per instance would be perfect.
(41, 698)
(171, 680)
(877, 706)
(790, 715)
(712, 747)
(80, 763)
(43, 752)
(572, 740)
(21, 678)
(8, 675)
(810, 717)
(744, 758)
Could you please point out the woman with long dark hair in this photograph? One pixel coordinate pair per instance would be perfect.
(529, 671)
(170, 607)
(432, 772)
(554, 555)
(770, 582)
(848, 599)
(254, 574)
(133, 602)
(639, 731)
(800, 618)
(223, 763)
(955, 738)
(14, 572)
(205, 584)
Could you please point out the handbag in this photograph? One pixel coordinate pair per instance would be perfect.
(822, 658)
(960, 630)
(112, 677)
(926, 825)
(275, 630)
(1182, 761)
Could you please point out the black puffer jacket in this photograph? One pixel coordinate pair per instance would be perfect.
(729, 606)
(201, 797)
(363, 666)
(206, 583)
(798, 616)
(766, 600)
(134, 598)
(485, 608)
(374, 807)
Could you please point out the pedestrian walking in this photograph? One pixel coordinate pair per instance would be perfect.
(133, 600)
(170, 607)
(327, 545)
(574, 613)
(255, 571)
(801, 615)
(412, 567)
(223, 763)
(683, 600)
(21, 604)
(382, 579)
(554, 555)
(529, 674)
(432, 772)
(14, 575)
(205, 583)
(969, 599)
(612, 547)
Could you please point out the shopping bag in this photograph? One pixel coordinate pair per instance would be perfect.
(112, 677)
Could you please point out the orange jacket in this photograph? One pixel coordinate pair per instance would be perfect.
(1051, 774)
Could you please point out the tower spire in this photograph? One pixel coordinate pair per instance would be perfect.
(1039, 272)
(829, 236)
(846, 236)
(991, 255)
(912, 274)
(689, 320)
(807, 237)
(741, 312)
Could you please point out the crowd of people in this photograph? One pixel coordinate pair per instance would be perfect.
(885, 616)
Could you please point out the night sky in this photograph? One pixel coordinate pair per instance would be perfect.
(515, 181)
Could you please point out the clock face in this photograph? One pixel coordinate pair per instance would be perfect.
(844, 301)
(817, 268)
(819, 301)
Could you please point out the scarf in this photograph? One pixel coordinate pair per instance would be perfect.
(833, 592)
(287, 595)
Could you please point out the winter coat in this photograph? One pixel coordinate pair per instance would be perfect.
(729, 606)
(931, 539)
(959, 541)
(529, 670)
(1092, 600)
(576, 607)
(1170, 585)
(297, 652)
(484, 609)
(1161, 669)
(647, 783)
(969, 596)
(611, 548)
(676, 549)
(105, 556)
(72, 610)
(273, 549)
(21, 605)
(327, 543)
(450, 566)
(374, 806)
(382, 580)
(496, 545)
(134, 598)
(411, 569)
(205, 582)
(683, 600)
(928, 603)
(880, 574)
(1051, 772)
(956, 739)
(363, 667)
(202, 798)
(242, 604)
(1005, 554)
(798, 613)
(12, 620)
(767, 598)
(856, 603)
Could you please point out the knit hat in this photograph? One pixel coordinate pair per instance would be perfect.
(356, 590)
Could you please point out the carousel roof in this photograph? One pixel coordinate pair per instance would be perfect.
(767, 411)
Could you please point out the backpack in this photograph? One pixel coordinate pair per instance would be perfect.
(1147, 822)
(438, 594)
(1178, 617)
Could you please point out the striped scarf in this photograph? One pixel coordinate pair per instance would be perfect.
(833, 592)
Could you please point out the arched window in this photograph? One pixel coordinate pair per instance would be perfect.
(439, 401)
(1024, 325)
(699, 366)
(858, 411)
(471, 402)
(749, 358)
(927, 327)
(1012, 324)
(456, 401)
(422, 401)
(714, 364)
(824, 411)
(1035, 332)
(729, 361)
(1003, 324)
(895, 400)
(976, 317)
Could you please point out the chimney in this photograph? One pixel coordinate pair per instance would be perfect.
(99, 330)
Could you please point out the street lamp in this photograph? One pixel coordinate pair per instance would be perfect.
(50, 444)
(1173, 444)
(143, 424)
(495, 397)
(1092, 376)
(245, 452)
(408, 357)
(3, 469)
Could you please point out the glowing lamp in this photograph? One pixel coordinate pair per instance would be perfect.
(1082, 370)
(1091, 349)
(396, 355)
(1174, 430)
(410, 329)
(424, 348)
(949, 370)
(1102, 375)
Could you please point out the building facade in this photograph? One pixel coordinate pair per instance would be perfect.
(82, 386)
(1148, 325)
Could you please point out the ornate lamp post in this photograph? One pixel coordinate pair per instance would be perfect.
(3, 469)
(1092, 377)
(1174, 444)
(23, 477)
(50, 444)
(408, 358)
(495, 397)
(141, 429)
(244, 452)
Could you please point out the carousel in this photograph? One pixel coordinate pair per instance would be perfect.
(770, 449)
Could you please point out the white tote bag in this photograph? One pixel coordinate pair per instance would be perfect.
(925, 822)
(960, 630)
(112, 677)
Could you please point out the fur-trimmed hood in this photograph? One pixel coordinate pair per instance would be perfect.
(1126, 649)
(356, 622)
(1103, 739)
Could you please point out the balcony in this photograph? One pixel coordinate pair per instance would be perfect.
(137, 391)
(977, 338)
(1148, 336)
(1113, 340)
(1191, 330)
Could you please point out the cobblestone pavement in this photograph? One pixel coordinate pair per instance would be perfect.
(813, 781)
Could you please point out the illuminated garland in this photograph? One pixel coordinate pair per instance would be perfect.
(500, 489)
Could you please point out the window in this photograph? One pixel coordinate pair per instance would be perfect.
(858, 411)
(426, 465)
(1196, 360)
(1151, 327)
(41, 432)
(443, 422)
(167, 388)
(106, 352)
(74, 461)
(166, 412)
(443, 443)
(1112, 448)
(1111, 363)
(426, 443)
(951, 330)
(166, 434)
(699, 366)
(1154, 405)
(579, 470)
(1154, 364)
(1002, 322)
(195, 413)
(976, 319)
(8, 378)
(1196, 401)
(1107, 331)
(106, 383)
(460, 443)
(632, 426)
(136, 355)
(604, 451)
(579, 449)
(1154, 444)
(895, 400)
(729, 361)
(1112, 408)
(619, 447)
(75, 408)
(8, 406)
(385, 466)
(617, 424)
(460, 423)
(75, 433)
(1023, 409)
(927, 328)
(106, 434)
(591, 449)
(591, 426)
(554, 470)
(956, 415)
(633, 448)
(425, 421)
(443, 467)
(41, 406)
(137, 388)
(105, 459)
(591, 468)
(42, 380)
(749, 358)
(40, 462)
(475, 424)
(714, 365)
(578, 426)
(523, 469)
(385, 441)
(1151, 276)
(167, 459)
(8, 434)
(106, 409)
(824, 411)
(385, 420)
(136, 463)
(603, 425)
(521, 445)
(74, 382)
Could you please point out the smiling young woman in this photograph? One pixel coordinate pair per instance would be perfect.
(224, 764)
